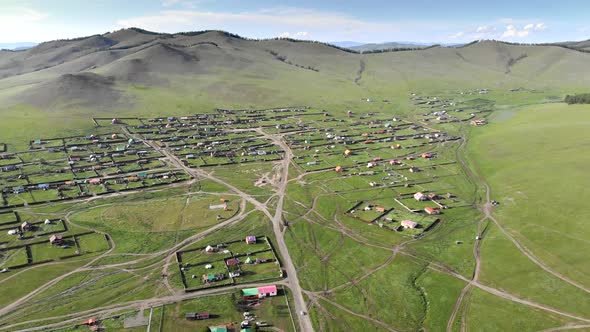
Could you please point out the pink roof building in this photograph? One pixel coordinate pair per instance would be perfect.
(270, 290)
(419, 196)
(94, 181)
(250, 239)
(408, 224)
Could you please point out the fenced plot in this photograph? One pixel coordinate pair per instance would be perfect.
(246, 262)
(15, 257)
(8, 217)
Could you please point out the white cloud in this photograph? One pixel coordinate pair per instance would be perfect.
(295, 35)
(484, 29)
(477, 33)
(513, 31)
(17, 23)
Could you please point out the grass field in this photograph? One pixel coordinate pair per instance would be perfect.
(356, 275)
(542, 154)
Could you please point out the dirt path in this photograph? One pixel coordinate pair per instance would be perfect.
(371, 319)
(487, 210)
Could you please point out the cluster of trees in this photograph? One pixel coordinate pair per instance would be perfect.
(284, 59)
(583, 98)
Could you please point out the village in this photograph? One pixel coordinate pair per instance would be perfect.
(388, 169)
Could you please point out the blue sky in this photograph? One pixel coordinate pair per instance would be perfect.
(326, 20)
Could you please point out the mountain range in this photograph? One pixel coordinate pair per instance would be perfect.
(114, 70)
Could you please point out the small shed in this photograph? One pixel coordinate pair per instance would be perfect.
(197, 315)
(250, 293)
(250, 239)
(25, 226)
(95, 181)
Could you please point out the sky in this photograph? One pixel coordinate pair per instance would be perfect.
(440, 21)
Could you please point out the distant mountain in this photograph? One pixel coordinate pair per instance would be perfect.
(17, 46)
(114, 70)
(347, 44)
(580, 45)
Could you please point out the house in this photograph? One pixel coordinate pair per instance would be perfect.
(259, 292)
(250, 239)
(18, 189)
(347, 152)
(25, 226)
(95, 181)
(265, 291)
(9, 168)
(419, 196)
(48, 222)
(132, 179)
(232, 262)
(250, 260)
(395, 162)
(56, 239)
(338, 169)
(114, 136)
(431, 210)
(210, 249)
(427, 155)
(43, 186)
(414, 169)
(408, 224)
(380, 209)
(13, 232)
(197, 315)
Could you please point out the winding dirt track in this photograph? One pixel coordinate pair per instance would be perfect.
(487, 208)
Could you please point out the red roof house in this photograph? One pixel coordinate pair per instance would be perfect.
(431, 210)
(232, 261)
